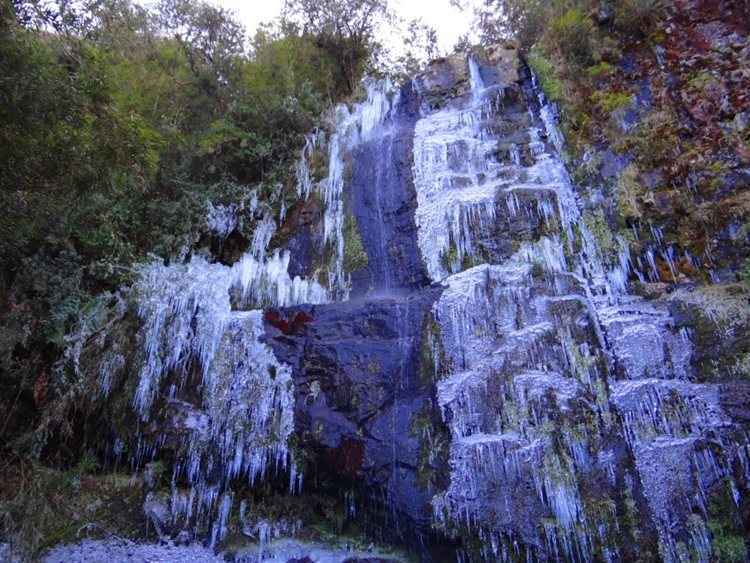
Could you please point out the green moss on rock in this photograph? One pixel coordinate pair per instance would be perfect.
(546, 72)
(629, 192)
(600, 70)
(434, 447)
(598, 226)
(41, 507)
(719, 319)
(355, 255)
(609, 102)
(433, 362)
(726, 526)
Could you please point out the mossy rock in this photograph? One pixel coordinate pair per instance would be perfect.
(44, 507)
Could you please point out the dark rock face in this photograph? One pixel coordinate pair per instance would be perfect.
(358, 390)
(357, 366)
(383, 200)
(304, 236)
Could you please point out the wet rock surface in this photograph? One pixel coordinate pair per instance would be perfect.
(383, 200)
(305, 237)
(358, 389)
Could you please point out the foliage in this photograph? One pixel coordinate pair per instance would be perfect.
(600, 70)
(609, 102)
(343, 29)
(655, 140)
(41, 507)
(573, 32)
(628, 193)
(524, 20)
(420, 43)
(355, 255)
(728, 538)
(545, 72)
(638, 17)
(212, 41)
(598, 226)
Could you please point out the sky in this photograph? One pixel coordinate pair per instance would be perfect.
(449, 22)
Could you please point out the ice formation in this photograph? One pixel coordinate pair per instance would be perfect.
(541, 334)
(350, 128)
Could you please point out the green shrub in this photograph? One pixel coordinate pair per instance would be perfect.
(547, 74)
(600, 70)
(726, 529)
(525, 20)
(609, 102)
(41, 507)
(629, 191)
(654, 140)
(574, 34)
(638, 17)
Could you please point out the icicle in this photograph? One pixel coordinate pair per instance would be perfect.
(475, 77)
(302, 169)
(222, 219)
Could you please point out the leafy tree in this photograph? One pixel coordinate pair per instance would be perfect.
(421, 43)
(345, 29)
(463, 44)
(213, 41)
(523, 20)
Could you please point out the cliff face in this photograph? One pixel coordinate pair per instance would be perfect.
(657, 142)
(448, 339)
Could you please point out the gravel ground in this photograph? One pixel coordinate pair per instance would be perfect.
(280, 551)
(286, 550)
(115, 551)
